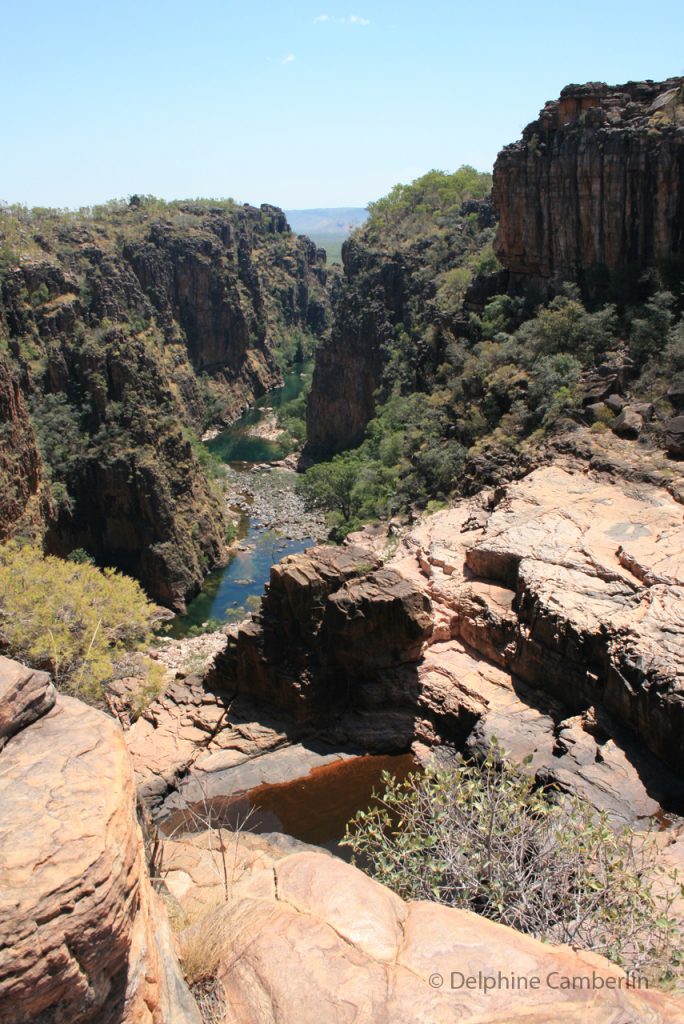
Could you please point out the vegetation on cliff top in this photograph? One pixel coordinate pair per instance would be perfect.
(467, 399)
(429, 204)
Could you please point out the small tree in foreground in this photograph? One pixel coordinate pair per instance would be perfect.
(484, 837)
(68, 617)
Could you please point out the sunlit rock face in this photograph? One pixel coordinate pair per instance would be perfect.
(593, 192)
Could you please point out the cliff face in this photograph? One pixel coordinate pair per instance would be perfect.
(21, 493)
(389, 297)
(372, 301)
(127, 332)
(594, 190)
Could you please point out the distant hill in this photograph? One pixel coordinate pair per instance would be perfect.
(328, 227)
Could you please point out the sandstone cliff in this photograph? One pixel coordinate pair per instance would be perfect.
(387, 302)
(594, 190)
(83, 938)
(127, 331)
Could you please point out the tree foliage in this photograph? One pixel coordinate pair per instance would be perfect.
(431, 199)
(68, 617)
(485, 838)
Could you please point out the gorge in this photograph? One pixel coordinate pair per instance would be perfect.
(504, 425)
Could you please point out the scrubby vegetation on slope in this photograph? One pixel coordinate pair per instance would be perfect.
(465, 398)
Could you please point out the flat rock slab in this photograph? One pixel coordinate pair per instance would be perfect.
(308, 938)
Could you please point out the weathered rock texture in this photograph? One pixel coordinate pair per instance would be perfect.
(559, 629)
(548, 614)
(82, 937)
(306, 937)
(594, 190)
(25, 696)
(332, 621)
(126, 331)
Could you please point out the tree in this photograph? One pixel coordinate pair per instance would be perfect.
(69, 617)
(484, 837)
(330, 485)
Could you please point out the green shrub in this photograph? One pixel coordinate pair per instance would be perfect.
(69, 618)
(485, 838)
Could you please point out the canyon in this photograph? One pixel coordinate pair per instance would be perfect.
(128, 330)
(541, 613)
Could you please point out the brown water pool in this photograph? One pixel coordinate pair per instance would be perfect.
(314, 808)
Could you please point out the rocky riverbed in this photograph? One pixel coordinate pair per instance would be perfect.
(268, 496)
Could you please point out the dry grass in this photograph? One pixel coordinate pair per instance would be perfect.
(201, 946)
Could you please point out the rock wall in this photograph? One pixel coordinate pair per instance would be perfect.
(594, 190)
(387, 294)
(22, 497)
(348, 370)
(83, 938)
(125, 332)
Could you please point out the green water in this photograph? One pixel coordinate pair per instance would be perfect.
(236, 445)
(226, 593)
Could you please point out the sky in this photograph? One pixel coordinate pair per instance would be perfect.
(301, 104)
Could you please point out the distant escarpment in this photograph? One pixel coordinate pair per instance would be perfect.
(405, 274)
(594, 190)
(124, 332)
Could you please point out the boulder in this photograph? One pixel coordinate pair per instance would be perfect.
(25, 696)
(674, 435)
(675, 394)
(615, 403)
(628, 423)
(83, 938)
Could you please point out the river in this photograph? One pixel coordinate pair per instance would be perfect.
(315, 805)
(271, 519)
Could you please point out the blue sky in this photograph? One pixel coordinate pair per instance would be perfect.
(300, 104)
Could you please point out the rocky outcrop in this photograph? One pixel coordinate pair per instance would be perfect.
(547, 614)
(83, 938)
(331, 623)
(25, 696)
(128, 332)
(593, 192)
(558, 629)
(303, 936)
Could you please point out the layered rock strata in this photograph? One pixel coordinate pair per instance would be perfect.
(83, 939)
(594, 190)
